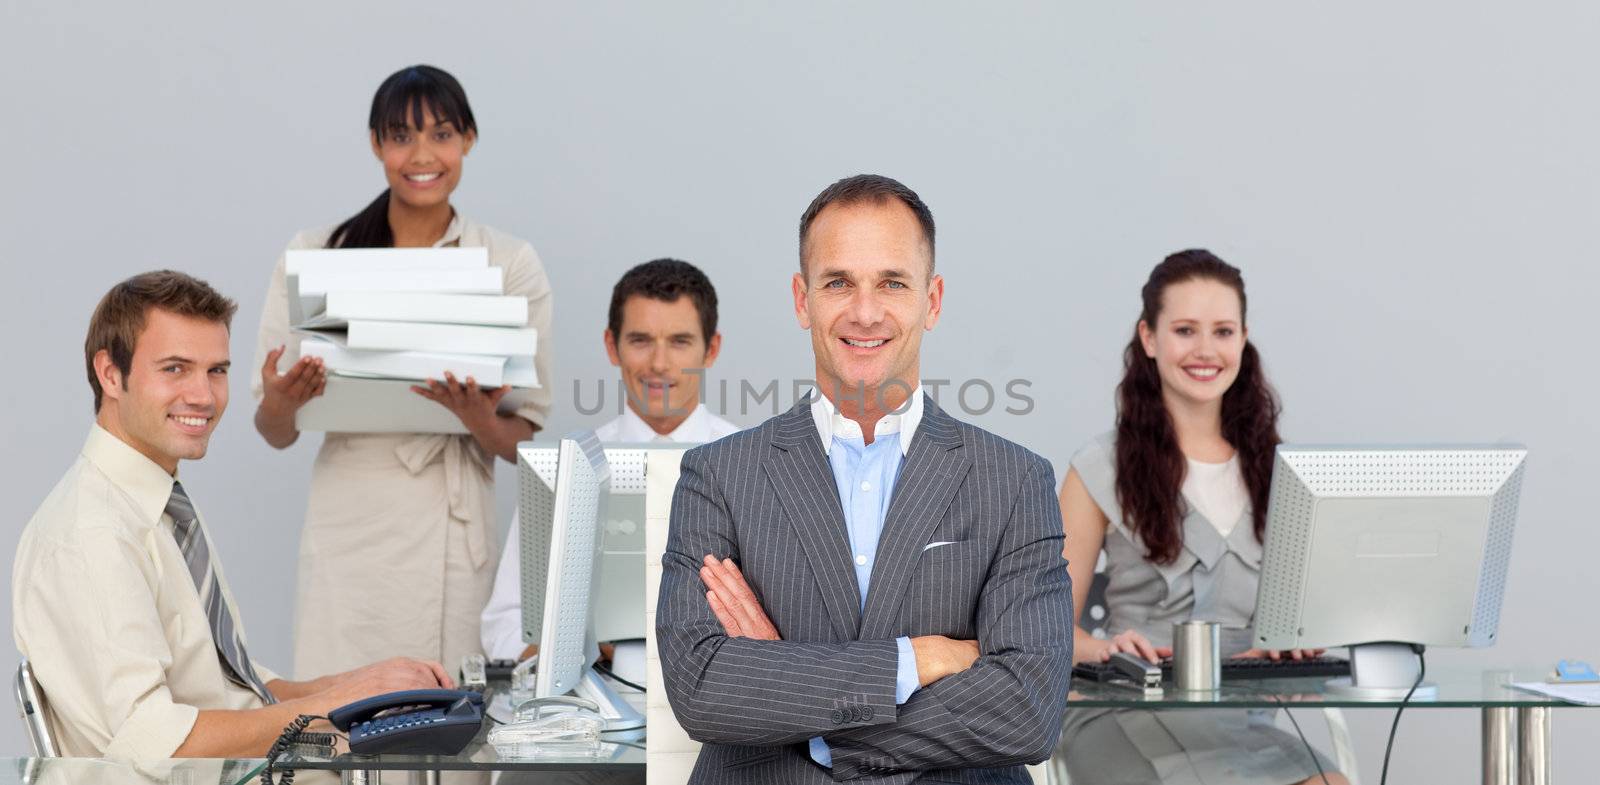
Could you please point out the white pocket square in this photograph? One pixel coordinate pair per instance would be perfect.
(930, 546)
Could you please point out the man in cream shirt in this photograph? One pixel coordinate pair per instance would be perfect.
(662, 334)
(118, 599)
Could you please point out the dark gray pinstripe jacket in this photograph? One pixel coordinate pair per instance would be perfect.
(766, 497)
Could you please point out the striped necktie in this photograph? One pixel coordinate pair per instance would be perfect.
(224, 631)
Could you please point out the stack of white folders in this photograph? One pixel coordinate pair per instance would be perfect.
(383, 319)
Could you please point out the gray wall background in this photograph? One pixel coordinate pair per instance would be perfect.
(1409, 189)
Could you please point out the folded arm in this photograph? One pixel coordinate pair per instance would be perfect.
(729, 690)
(1007, 708)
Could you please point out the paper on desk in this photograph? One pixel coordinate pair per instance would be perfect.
(1583, 694)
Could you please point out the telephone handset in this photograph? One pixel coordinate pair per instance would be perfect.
(423, 722)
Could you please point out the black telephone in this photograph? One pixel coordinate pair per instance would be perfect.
(422, 722)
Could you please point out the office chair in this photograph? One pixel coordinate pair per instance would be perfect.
(31, 707)
(1092, 617)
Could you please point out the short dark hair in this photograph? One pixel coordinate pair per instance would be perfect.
(121, 316)
(666, 280)
(873, 188)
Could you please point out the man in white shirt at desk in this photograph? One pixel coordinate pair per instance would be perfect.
(662, 334)
(118, 599)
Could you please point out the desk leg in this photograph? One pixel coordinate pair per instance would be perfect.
(1499, 746)
(360, 777)
(1533, 742)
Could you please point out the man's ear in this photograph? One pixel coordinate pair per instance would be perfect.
(611, 348)
(800, 312)
(713, 348)
(935, 301)
(112, 382)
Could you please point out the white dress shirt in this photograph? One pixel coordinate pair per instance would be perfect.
(104, 607)
(502, 617)
(831, 423)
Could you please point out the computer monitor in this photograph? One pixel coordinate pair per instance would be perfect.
(1379, 548)
(619, 574)
(564, 494)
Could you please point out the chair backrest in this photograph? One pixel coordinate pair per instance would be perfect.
(33, 710)
(672, 753)
(1093, 615)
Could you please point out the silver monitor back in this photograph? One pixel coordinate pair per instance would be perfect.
(583, 540)
(562, 504)
(1387, 544)
(618, 609)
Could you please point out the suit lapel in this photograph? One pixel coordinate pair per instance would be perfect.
(803, 480)
(929, 478)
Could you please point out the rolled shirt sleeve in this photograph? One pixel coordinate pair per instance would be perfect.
(97, 644)
(267, 675)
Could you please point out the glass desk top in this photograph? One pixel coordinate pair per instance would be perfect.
(479, 756)
(612, 756)
(1459, 687)
(617, 757)
(185, 771)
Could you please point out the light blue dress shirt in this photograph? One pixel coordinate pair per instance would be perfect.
(865, 475)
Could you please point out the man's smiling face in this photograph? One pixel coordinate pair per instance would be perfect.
(175, 391)
(867, 295)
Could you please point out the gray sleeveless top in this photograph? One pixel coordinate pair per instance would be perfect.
(1213, 579)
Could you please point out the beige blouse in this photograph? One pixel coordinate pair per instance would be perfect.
(397, 553)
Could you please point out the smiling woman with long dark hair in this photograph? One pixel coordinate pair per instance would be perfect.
(397, 554)
(1175, 498)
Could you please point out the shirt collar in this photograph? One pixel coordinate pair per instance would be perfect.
(145, 482)
(831, 423)
(452, 232)
(694, 428)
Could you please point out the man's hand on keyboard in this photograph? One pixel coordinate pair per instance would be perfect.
(1276, 655)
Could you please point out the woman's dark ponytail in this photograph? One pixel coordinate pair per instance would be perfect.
(367, 229)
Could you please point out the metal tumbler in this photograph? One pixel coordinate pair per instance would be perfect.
(1196, 655)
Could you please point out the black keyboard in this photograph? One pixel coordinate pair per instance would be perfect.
(1233, 669)
(498, 670)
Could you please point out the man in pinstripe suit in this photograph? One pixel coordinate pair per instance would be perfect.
(865, 587)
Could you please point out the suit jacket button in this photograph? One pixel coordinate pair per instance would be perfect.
(855, 713)
(838, 717)
(866, 713)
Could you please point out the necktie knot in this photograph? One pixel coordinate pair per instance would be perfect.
(181, 510)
